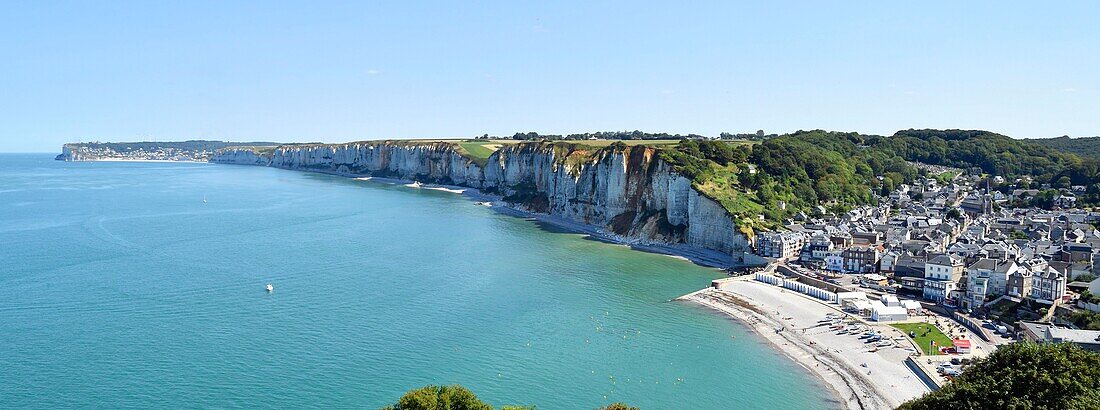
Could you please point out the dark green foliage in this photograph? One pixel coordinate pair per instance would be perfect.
(1022, 376)
(534, 136)
(829, 167)
(630, 135)
(453, 397)
(994, 153)
(759, 135)
(716, 151)
(1089, 297)
(1085, 319)
(800, 170)
(954, 213)
(1085, 147)
(605, 135)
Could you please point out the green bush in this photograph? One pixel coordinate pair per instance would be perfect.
(1022, 376)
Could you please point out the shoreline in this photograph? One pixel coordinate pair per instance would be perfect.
(699, 256)
(834, 360)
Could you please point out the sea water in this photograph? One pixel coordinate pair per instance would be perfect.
(121, 287)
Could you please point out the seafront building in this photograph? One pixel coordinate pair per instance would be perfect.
(780, 245)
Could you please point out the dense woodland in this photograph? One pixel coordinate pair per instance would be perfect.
(1085, 147)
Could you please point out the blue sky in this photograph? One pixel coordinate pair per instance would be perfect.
(370, 70)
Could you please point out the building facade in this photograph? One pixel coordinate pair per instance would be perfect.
(779, 245)
(942, 274)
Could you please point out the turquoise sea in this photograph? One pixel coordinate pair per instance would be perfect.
(120, 287)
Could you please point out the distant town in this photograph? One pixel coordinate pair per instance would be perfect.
(194, 150)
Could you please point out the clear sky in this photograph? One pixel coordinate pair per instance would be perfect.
(334, 72)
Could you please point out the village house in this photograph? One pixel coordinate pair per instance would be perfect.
(861, 258)
(1048, 286)
(816, 248)
(1019, 283)
(942, 274)
(834, 261)
(780, 245)
(986, 279)
(909, 273)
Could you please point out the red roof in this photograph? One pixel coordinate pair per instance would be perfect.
(961, 343)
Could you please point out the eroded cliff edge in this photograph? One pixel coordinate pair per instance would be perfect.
(628, 190)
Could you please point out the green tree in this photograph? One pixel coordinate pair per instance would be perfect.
(1022, 376)
(453, 397)
(1063, 182)
(954, 213)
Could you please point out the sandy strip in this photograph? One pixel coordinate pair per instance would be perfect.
(837, 360)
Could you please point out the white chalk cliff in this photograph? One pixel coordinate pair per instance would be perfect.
(628, 190)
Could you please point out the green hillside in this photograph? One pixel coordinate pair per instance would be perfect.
(1084, 146)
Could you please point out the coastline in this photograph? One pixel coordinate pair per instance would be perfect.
(838, 361)
(698, 256)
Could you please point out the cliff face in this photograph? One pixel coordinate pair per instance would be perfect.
(68, 154)
(628, 190)
(436, 162)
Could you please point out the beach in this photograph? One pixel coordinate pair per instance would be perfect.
(699, 256)
(861, 377)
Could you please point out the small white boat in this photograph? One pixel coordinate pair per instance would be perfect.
(270, 288)
(204, 199)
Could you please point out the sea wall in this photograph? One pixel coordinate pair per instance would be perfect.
(628, 190)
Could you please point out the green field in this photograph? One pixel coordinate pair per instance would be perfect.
(480, 150)
(925, 332)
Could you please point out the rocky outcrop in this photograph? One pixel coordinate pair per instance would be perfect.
(69, 153)
(628, 190)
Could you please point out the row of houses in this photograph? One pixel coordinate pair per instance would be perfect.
(952, 247)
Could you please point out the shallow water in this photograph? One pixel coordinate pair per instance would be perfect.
(120, 287)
